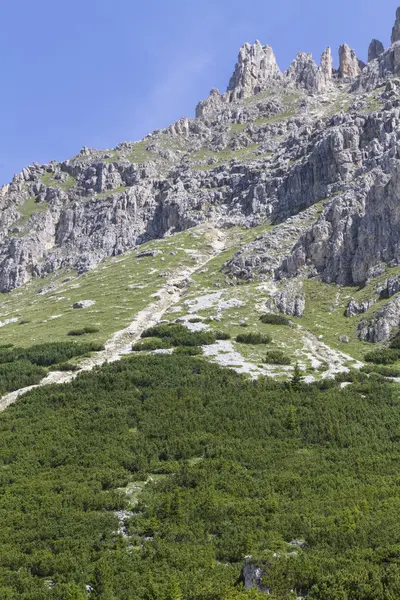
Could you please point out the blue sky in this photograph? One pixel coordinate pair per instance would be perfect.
(96, 72)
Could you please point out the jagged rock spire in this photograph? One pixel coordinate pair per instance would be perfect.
(396, 28)
(376, 48)
(255, 67)
(211, 104)
(304, 71)
(325, 70)
(350, 66)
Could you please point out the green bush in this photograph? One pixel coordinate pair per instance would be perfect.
(277, 357)
(272, 319)
(19, 374)
(84, 331)
(57, 352)
(195, 320)
(49, 354)
(180, 335)
(149, 344)
(253, 338)
(66, 367)
(353, 375)
(188, 350)
(383, 356)
(382, 370)
(222, 335)
(166, 330)
(395, 343)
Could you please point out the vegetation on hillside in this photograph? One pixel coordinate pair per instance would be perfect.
(233, 468)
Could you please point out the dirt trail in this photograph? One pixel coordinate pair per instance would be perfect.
(319, 353)
(121, 342)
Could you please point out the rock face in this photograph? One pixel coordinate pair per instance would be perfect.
(380, 327)
(311, 150)
(390, 287)
(290, 300)
(305, 73)
(353, 234)
(396, 29)
(349, 64)
(255, 69)
(355, 308)
(375, 49)
(212, 104)
(325, 72)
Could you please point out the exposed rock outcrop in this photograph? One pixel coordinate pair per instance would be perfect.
(212, 104)
(349, 65)
(396, 28)
(378, 71)
(355, 308)
(375, 49)
(247, 157)
(381, 326)
(84, 304)
(305, 73)
(390, 287)
(354, 233)
(290, 300)
(256, 67)
(325, 71)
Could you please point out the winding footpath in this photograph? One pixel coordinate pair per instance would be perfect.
(223, 353)
(121, 342)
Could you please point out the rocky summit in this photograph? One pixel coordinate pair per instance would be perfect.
(311, 153)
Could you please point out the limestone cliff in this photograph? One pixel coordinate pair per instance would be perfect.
(271, 147)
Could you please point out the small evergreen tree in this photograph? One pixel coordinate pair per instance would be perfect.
(102, 585)
(297, 377)
(291, 422)
(173, 591)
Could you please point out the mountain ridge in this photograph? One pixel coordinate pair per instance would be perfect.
(268, 148)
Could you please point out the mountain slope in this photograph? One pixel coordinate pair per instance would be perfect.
(305, 164)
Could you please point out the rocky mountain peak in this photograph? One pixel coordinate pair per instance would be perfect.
(314, 136)
(304, 72)
(350, 65)
(396, 28)
(376, 48)
(326, 67)
(256, 67)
